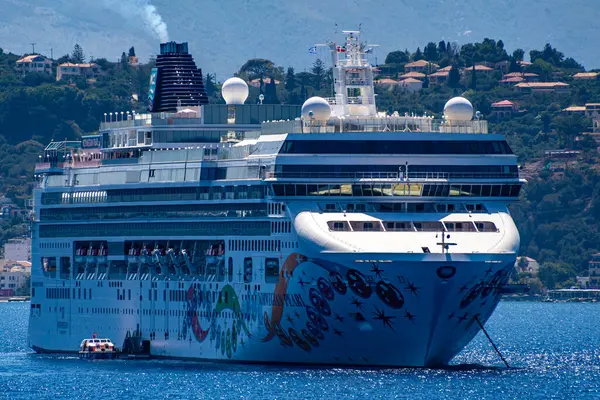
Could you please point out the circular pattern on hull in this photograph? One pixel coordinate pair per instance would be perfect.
(389, 294)
(337, 283)
(312, 328)
(359, 284)
(300, 342)
(316, 318)
(446, 272)
(310, 338)
(319, 302)
(325, 288)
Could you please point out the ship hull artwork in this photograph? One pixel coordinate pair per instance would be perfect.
(385, 311)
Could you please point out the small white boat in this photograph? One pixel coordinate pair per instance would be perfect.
(95, 348)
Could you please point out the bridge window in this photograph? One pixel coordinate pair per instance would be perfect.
(486, 226)
(429, 226)
(338, 226)
(460, 226)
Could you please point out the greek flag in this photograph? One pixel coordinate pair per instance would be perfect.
(313, 50)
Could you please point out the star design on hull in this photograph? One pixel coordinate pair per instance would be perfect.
(357, 303)
(450, 316)
(463, 318)
(338, 332)
(302, 283)
(296, 314)
(463, 288)
(339, 318)
(489, 271)
(412, 289)
(376, 270)
(290, 319)
(409, 316)
(386, 319)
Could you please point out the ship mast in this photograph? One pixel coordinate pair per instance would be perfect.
(352, 77)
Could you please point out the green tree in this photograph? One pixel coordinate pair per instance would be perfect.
(318, 71)
(454, 77)
(442, 48)
(473, 82)
(131, 51)
(271, 92)
(257, 68)
(396, 57)
(210, 85)
(290, 80)
(430, 52)
(417, 55)
(518, 54)
(77, 56)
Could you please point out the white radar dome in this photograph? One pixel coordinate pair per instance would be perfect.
(458, 109)
(316, 108)
(234, 91)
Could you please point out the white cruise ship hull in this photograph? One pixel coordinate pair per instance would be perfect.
(376, 309)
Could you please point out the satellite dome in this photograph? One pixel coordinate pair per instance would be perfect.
(458, 109)
(316, 108)
(234, 91)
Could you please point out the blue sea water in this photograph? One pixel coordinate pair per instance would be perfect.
(553, 349)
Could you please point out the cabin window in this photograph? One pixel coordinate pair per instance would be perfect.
(271, 270)
(486, 226)
(247, 270)
(338, 226)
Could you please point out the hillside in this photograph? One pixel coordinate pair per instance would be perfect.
(221, 33)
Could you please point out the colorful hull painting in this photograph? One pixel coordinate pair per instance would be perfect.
(329, 309)
(322, 311)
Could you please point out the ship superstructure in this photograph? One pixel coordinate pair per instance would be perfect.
(330, 234)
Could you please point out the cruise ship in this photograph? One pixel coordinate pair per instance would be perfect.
(327, 233)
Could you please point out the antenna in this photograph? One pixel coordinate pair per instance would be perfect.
(33, 48)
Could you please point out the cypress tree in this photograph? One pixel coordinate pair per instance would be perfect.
(473, 83)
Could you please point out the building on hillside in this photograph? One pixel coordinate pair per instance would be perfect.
(386, 82)
(512, 81)
(447, 69)
(524, 64)
(8, 211)
(589, 110)
(34, 63)
(539, 87)
(586, 75)
(504, 108)
(583, 281)
(478, 68)
(14, 275)
(86, 70)
(438, 78)
(594, 270)
(422, 66)
(413, 75)
(411, 84)
(562, 154)
(256, 82)
(133, 61)
(525, 76)
(18, 249)
(502, 66)
(527, 265)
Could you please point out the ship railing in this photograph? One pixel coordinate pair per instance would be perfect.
(392, 175)
(375, 124)
(351, 100)
(358, 82)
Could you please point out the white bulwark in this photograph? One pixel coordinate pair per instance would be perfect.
(328, 235)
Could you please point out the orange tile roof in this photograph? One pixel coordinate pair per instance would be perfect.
(413, 75)
(503, 103)
(386, 81)
(512, 79)
(575, 109)
(481, 68)
(30, 58)
(448, 68)
(440, 73)
(584, 75)
(421, 63)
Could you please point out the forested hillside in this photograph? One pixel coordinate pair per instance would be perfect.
(559, 211)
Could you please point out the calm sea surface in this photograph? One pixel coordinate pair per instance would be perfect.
(553, 347)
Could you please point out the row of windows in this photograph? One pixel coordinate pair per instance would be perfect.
(238, 210)
(395, 147)
(411, 226)
(54, 245)
(156, 194)
(281, 227)
(258, 228)
(410, 171)
(65, 293)
(403, 207)
(401, 189)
